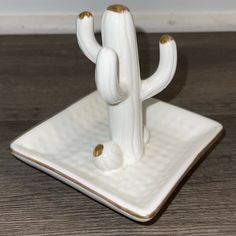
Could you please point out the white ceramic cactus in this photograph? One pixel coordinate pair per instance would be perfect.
(119, 84)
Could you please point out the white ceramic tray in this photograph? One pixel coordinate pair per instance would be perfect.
(62, 146)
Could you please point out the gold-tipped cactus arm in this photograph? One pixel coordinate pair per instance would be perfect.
(85, 35)
(165, 71)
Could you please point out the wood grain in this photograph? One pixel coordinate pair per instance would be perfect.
(40, 75)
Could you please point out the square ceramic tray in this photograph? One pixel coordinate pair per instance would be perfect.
(62, 146)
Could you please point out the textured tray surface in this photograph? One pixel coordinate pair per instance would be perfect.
(62, 146)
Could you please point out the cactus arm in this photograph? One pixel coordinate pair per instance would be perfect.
(106, 77)
(85, 36)
(165, 71)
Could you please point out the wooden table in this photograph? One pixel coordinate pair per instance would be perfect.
(41, 75)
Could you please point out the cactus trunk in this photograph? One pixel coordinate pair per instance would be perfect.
(125, 118)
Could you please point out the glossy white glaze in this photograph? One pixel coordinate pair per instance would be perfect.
(62, 147)
(118, 79)
(107, 68)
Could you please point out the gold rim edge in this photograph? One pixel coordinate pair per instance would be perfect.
(118, 8)
(165, 38)
(84, 14)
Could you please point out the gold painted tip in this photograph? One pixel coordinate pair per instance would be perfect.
(98, 150)
(165, 38)
(84, 14)
(118, 8)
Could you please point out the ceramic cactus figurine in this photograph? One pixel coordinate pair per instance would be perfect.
(118, 83)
